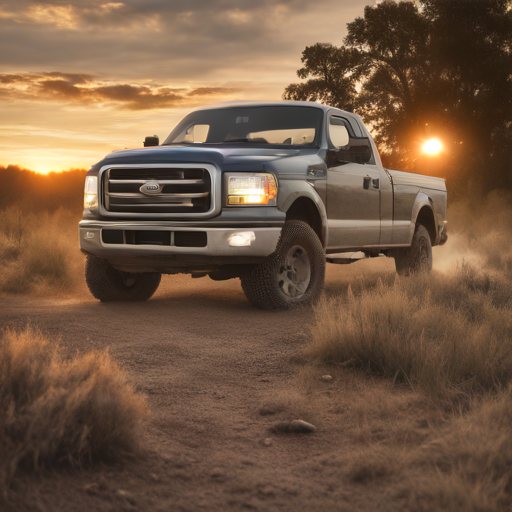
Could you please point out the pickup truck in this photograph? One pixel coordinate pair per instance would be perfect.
(267, 192)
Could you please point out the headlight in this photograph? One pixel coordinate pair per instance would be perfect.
(251, 189)
(91, 194)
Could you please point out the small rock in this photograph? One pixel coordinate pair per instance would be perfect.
(128, 496)
(295, 427)
(267, 441)
(301, 427)
(154, 477)
(327, 378)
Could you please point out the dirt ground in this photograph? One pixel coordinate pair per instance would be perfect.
(218, 375)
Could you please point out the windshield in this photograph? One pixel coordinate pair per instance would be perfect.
(257, 125)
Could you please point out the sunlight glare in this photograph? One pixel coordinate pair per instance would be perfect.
(432, 146)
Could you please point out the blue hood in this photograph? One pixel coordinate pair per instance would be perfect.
(223, 157)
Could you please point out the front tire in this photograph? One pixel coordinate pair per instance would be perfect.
(417, 257)
(293, 275)
(109, 284)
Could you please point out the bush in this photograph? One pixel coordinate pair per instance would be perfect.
(55, 410)
(444, 334)
(39, 252)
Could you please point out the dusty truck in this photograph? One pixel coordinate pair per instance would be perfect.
(267, 192)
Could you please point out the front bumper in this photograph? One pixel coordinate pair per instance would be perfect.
(218, 246)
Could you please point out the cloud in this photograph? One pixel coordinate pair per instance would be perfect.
(71, 77)
(84, 89)
(209, 91)
(162, 39)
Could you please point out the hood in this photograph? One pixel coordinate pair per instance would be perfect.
(221, 156)
(417, 180)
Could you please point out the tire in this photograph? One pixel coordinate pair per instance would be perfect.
(417, 257)
(293, 275)
(108, 284)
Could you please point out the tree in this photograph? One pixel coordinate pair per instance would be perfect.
(392, 41)
(334, 73)
(471, 45)
(434, 67)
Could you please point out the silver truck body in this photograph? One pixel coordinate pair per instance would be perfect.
(351, 206)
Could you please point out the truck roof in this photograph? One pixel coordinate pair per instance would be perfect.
(283, 103)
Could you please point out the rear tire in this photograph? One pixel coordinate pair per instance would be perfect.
(417, 257)
(291, 276)
(109, 284)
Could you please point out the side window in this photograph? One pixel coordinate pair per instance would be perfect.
(338, 132)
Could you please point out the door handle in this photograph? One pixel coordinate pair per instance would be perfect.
(376, 183)
(366, 182)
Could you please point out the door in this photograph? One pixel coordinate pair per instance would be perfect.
(353, 197)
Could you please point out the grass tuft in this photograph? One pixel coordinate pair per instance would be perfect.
(55, 410)
(443, 334)
(39, 254)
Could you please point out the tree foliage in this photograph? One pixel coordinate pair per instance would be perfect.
(414, 70)
(334, 73)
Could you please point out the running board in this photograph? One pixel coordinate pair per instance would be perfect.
(343, 260)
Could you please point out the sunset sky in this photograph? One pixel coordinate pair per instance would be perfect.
(81, 78)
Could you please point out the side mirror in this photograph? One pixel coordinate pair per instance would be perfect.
(151, 141)
(358, 151)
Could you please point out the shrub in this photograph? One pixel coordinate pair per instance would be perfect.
(39, 253)
(55, 410)
(443, 334)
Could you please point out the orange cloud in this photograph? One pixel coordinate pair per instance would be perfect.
(85, 89)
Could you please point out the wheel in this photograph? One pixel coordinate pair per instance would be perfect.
(417, 257)
(291, 276)
(108, 284)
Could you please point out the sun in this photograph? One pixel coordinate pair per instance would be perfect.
(432, 147)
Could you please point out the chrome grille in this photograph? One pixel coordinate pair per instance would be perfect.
(183, 190)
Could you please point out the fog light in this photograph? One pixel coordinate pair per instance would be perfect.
(89, 235)
(244, 239)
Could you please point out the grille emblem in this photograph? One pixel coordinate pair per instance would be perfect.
(151, 187)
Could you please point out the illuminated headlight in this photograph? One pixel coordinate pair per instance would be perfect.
(251, 189)
(91, 193)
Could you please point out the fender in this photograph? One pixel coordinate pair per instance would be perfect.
(421, 200)
(292, 189)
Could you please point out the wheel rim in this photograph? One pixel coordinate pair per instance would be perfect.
(295, 273)
(129, 279)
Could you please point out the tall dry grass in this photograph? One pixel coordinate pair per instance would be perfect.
(466, 466)
(446, 334)
(39, 252)
(55, 410)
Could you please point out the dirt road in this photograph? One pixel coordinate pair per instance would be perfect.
(218, 374)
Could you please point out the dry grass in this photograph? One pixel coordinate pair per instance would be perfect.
(468, 461)
(448, 338)
(55, 410)
(39, 253)
(444, 334)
